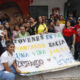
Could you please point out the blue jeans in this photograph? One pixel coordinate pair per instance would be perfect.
(8, 76)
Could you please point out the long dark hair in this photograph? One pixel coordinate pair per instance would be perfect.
(2, 49)
(38, 23)
(50, 27)
(66, 23)
(8, 30)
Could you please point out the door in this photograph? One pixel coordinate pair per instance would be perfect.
(36, 11)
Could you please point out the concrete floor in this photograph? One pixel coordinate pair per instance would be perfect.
(68, 74)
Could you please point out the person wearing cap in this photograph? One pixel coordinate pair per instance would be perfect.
(8, 66)
(77, 45)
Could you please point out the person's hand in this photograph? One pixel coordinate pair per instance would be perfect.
(41, 33)
(18, 71)
(46, 32)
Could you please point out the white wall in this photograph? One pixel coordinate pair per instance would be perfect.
(51, 4)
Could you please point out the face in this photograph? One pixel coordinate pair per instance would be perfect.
(70, 14)
(68, 24)
(21, 20)
(31, 20)
(58, 23)
(7, 25)
(61, 17)
(11, 48)
(17, 28)
(44, 18)
(79, 22)
(52, 17)
(25, 20)
(40, 19)
(22, 29)
(11, 27)
(51, 23)
(71, 18)
(28, 26)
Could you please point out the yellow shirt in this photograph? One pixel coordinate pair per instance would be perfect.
(62, 22)
(42, 28)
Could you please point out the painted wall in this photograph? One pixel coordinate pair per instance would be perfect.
(51, 4)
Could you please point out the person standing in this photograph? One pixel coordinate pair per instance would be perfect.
(51, 26)
(33, 23)
(77, 45)
(15, 32)
(59, 27)
(8, 30)
(69, 34)
(40, 26)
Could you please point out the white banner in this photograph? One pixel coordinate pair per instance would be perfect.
(43, 53)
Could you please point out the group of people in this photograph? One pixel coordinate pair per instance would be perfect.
(70, 29)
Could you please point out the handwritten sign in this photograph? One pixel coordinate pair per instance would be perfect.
(43, 53)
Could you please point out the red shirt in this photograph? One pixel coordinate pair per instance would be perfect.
(69, 31)
(77, 28)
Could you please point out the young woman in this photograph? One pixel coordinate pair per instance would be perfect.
(59, 27)
(69, 34)
(15, 32)
(77, 45)
(8, 66)
(62, 21)
(51, 26)
(7, 29)
(28, 28)
(40, 27)
(33, 25)
(3, 38)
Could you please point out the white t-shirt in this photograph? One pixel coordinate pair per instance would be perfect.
(6, 57)
(59, 28)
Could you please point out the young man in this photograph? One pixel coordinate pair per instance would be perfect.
(22, 32)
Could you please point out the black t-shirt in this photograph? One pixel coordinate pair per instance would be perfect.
(32, 30)
(51, 30)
